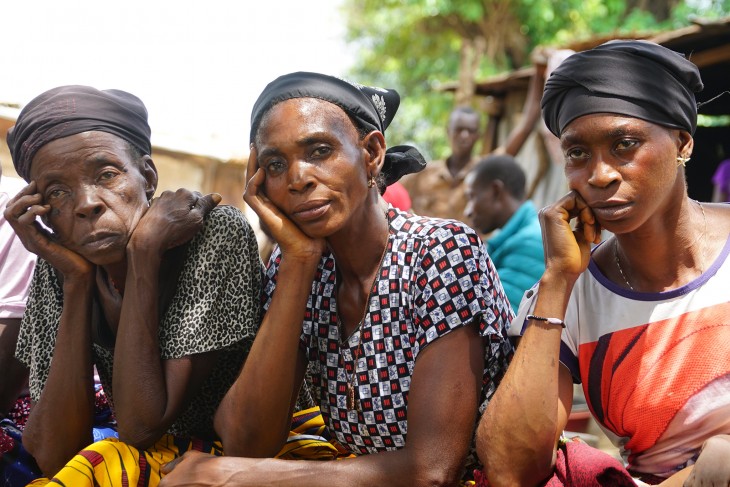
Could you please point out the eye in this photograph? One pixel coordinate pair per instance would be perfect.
(626, 144)
(54, 193)
(575, 154)
(274, 167)
(321, 152)
(107, 175)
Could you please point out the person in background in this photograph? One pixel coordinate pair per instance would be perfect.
(160, 295)
(438, 190)
(496, 206)
(398, 318)
(721, 182)
(641, 320)
(16, 272)
(397, 195)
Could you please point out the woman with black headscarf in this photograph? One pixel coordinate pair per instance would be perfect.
(398, 318)
(160, 295)
(642, 319)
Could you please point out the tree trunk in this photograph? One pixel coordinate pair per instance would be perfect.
(472, 52)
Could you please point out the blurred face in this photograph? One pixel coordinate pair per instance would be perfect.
(316, 165)
(463, 133)
(97, 193)
(623, 167)
(481, 205)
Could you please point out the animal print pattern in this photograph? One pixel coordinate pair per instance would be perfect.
(216, 307)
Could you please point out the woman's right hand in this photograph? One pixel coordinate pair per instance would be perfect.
(292, 241)
(567, 251)
(21, 213)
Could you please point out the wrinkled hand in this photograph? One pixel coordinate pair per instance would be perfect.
(21, 213)
(567, 251)
(291, 240)
(172, 220)
(712, 468)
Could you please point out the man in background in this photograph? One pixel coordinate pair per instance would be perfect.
(497, 206)
(438, 190)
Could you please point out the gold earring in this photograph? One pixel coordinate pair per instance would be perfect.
(371, 182)
(682, 161)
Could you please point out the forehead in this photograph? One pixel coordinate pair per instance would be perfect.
(77, 152)
(602, 125)
(295, 117)
(464, 119)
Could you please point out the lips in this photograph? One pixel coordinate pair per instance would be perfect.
(311, 210)
(610, 210)
(98, 239)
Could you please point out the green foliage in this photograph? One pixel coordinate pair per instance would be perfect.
(414, 45)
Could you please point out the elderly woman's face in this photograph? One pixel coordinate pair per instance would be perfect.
(315, 164)
(625, 168)
(96, 190)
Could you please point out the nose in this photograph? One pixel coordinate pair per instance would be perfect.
(88, 204)
(603, 174)
(300, 176)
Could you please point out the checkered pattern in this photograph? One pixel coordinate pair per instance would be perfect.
(434, 277)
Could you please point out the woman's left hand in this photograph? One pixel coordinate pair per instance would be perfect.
(172, 219)
(712, 468)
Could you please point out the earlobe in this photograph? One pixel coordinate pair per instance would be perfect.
(149, 171)
(374, 145)
(686, 144)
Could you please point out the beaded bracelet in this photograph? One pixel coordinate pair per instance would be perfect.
(550, 321)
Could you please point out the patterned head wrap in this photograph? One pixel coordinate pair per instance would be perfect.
(636, 78)
(372, 108)
(70, 110)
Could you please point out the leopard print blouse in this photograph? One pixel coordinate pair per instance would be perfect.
(215, 307)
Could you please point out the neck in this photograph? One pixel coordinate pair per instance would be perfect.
(117, 274)
(359, 247)
(659, 257)
(456, 162)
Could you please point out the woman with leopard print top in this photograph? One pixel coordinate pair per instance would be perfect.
(161, 295)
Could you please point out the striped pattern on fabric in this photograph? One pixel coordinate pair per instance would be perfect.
(112, 463)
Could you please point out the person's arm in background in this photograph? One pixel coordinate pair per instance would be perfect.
(15, 374)
(531, 110)
(517, 436)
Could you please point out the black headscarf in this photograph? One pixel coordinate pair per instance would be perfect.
(372, 108)
(636, 78)
(69, 110)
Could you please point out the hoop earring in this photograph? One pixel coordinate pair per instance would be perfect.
(682, 161)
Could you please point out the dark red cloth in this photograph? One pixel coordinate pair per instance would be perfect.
(397, 195)
(579, 465)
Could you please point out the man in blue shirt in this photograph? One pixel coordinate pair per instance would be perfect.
(496, 206)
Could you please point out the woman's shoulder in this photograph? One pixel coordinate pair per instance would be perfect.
(418, 226)
(225, 215)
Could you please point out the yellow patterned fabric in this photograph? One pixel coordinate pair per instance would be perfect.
(112, 463)
(309, 439)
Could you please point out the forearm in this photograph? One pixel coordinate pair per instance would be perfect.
(393, 468)
(517, 436)
(60, 422)
(140, 389)
(254, 416)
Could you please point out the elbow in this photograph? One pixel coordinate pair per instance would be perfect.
(138, 436)
(436, 477)
(239, 440)
(508, 463)
(49, 457)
